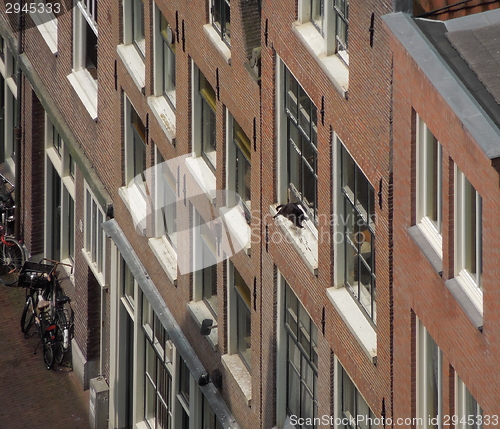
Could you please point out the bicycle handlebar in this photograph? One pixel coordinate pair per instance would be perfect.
(56, 263)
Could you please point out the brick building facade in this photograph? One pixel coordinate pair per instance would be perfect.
(159, 139)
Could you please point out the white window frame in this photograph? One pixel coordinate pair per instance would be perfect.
(80, 78)
(463, 402)
(128, 29)
(9, 102)
(362, 408)
(204, 241)
(424, 169)
(470, 282)
(140, 182)
(60, 160)
(232, 315)
(158, 59)
(424, 386)
(324, 37)
(165, 201)
(339, 230)
(197, 119)
(218, 26)
(96, 263)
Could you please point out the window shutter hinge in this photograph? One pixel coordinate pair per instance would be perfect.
(379, 194)
(183, 38)
(322, 110)
(218, 86)
(177, 25)
(255, 293)
(266, 33)
(372, 30)
(116, 76)
(323, 322)
(254, 134)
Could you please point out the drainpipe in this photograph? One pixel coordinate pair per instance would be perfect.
(17, 129)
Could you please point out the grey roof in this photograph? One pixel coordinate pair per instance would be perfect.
(428, 43)
(480, 48)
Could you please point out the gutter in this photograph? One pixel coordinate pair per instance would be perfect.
(214, 398)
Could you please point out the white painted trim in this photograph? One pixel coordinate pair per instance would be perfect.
(355, 320)
(46, 23)
(219, 44)
(134, 64)
(86, 89)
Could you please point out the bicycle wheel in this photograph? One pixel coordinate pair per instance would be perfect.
(59, 346)
(48, 341)
(12, 258)
(28, 317)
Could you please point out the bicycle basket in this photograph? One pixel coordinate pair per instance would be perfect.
(34, 275)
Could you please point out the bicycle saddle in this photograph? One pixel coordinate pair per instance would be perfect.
(63, 299)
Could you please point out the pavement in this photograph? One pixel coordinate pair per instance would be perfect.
(30, 395)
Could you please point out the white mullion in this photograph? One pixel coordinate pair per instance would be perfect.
(439, 187)
(479, 239)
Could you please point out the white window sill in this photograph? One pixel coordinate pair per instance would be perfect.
(199, 311)
(86, 88)
(217, 42)
(203, 176)
(304, 240)
(164, 115)
(332, 65)
(240, 374)
(236, 224)
(432, 235)
(135, 201)
(134, 65)
(475, 294)
(355, 320)
(421, 240)
(46, 23)
(93, 266)
(463, 299)
(166, 255)
(11, 83)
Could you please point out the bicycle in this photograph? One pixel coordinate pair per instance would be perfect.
(12, 253)
(48, 309)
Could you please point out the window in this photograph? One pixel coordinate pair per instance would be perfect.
(318, 14)
(359, 234)
(138, 36)
(302, 152)
(135, 141)
(243, 319)
(469, 414)
(209, 419)
(94, 235)
(429, 185)
(166, 202)
(240, 162)
(221, 14)
(207, 123)
(167, 76)
(301, 359)
(60, 202)
(85, 38)
(7, 109)
(468, 237)
(353, 406)
(128, 284)
(158, 404)
(429, 388)
(341, 9)
(206, 276)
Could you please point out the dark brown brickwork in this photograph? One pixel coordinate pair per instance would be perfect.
(376, 123)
